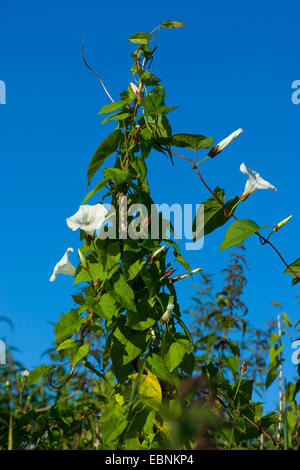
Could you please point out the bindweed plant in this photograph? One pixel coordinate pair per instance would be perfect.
(126, 339)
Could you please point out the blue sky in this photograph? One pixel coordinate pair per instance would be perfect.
(231, 66)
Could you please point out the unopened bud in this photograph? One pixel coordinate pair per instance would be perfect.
(167, 315)
(153, 335)
(82, 259)
(157, 252)
(185, 275)
(281, 224)
(243, 367)
(136, 91)
(224, 143)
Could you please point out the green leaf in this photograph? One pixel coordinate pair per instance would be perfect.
(78, 355)
(159, 368)
(174, 356)
(245, 391)
(124, 293)
(140, 38)
(268, 420)
(108, 306)
(174, 350)
(274, 337)
(105, 149)
(172, 24)
(68, 343)
(239, 231)
(82, 275)
(177, 254)
(114, 422)
(99, 186)
(117, 175)
(189, 141)
(140, 167)
(127, 344)
(109, 108)
(271, 376)
(213, 213)
(149, 79)
(296, 268)
(154, 105)
(188, 363)
(116, 117)
(36, 374)
(274, 353)
(232, 362)
(133, 270)
(140, 320)
(286, 319)
(68, 324)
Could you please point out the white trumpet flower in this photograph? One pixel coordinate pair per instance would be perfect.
(224, 143)
(63, 266)
(254, 182)
(88, 218)
(168, 312)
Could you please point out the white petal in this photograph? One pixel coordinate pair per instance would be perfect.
(225, 142)
(244, 168)
(168, 312)
(255, 181)
(63, 266)
(134, 88)
(88, 218)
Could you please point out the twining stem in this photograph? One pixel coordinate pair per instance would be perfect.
(95, 73)
(256, 425)
(235, 205)
(133, 395)
(46, 408)
(263, 240)
(280, 380)
(239, 384)
(10, 432)
(203, 160)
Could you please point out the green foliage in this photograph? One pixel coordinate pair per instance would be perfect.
(238, 232)
(126, 376)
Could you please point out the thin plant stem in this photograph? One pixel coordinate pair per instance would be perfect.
(280, 380)
(133, 395)
(203, 160)
(10, 432)
(95, 73)
(263, 240)
(239, 384)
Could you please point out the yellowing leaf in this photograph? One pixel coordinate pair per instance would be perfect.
(150, 389)
(119, 399)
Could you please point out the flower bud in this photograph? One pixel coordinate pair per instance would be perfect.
(185, 275)
(167, 315)
(281, 224)
(224, 143)
(136, 91)
(82, 259)
(153, 335)
(157, 252)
